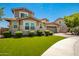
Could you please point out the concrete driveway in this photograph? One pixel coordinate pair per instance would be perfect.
(1, 36)
(65, 47)
(64, 34)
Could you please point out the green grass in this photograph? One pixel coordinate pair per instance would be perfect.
(27, 46)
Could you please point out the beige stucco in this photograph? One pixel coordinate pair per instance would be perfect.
(63, 27)
(30, 18)
(22, 25)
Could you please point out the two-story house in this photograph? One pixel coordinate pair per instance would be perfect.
(24, 20)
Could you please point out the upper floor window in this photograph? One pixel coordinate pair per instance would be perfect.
(59, 22)
(23, 14)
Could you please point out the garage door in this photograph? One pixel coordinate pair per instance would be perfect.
(52, 28)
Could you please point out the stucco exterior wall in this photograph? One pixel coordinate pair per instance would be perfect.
(28, 21)
(11, 26)
(37, 25)
(17, 14)
(63, 27)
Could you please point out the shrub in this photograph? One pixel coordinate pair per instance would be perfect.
(7, 34)
(47, 32)
(50, 33)
(18, 34)
(39, 32)
(31, 33)
(71, 30)
(75, 30)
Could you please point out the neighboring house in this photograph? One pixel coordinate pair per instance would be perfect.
(63, 27)
(53, 26)
(24, 20)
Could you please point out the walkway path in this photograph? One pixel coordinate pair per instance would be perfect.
(66, 47)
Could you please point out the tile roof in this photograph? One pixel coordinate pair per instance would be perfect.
(45, 19)
(59, 19)
(9, 19)
(52, 23)
(32, 18)
(22, 9)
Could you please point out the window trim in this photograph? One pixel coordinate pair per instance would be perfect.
(15, 24)
(30, 25)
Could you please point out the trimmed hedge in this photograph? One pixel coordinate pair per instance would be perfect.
(48, 32)
(7, 34)
(39, 32)
(31, 33)
(18, 34)
(75, 30)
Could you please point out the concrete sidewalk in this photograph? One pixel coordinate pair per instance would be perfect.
(66, 47)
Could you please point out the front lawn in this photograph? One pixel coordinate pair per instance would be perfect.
(27, 46)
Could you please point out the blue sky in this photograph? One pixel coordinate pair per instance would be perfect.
(51, 11)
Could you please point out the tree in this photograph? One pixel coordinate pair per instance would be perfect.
(72, 21)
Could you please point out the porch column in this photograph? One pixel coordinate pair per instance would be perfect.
(10, 25)
(19, 24)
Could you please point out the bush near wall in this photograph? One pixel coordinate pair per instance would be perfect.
(75, 30)
(39, 32)
(7, 34)
(48, 32)
(31, 33)
(18, 34)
